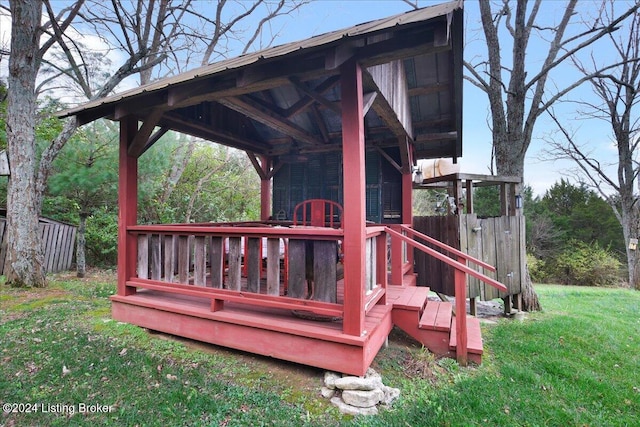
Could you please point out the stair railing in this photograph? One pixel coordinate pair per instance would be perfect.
(458, 260)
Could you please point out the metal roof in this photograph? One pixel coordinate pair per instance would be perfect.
(433, 74)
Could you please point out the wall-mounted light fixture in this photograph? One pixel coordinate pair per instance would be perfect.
(417, 177)
(518, 201)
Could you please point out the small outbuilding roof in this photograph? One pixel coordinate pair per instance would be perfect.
(286, 99)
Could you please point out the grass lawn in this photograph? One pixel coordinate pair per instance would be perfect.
(65, 362)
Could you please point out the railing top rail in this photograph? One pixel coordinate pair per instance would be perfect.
(448, 260)
(297, 232)
(451, 249)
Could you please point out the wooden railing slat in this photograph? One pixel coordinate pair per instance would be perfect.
(200, 262)
(216, 261)
(143, 256)
(273, 266)
(235, 263)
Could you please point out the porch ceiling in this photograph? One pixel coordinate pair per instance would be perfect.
(284, 101)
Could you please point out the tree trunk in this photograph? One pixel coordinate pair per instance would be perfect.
(25, 257)
(81, 261)
(629, 220)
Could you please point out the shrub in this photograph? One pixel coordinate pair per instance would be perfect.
(538, 269)
(102, 238)
(587, 265)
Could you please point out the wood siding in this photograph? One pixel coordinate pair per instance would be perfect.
(497, 241)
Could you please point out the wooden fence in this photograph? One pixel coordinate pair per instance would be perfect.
(58, 240)
(497, 241)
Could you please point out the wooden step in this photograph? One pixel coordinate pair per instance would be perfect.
(436, 316)
(474, 335)
(411, 298)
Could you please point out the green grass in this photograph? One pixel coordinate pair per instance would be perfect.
(576, 363)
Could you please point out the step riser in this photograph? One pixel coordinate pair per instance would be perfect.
(436, 341)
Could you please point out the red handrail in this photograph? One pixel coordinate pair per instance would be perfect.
(448, 260)
(448, 248)
(460, 267)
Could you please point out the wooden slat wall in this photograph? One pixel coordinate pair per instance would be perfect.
(498, 241)
(58, 240)
(432, 272)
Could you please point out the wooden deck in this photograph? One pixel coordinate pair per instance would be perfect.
(271, 332)
(296, 336)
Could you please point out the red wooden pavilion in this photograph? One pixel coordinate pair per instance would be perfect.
(333, 126)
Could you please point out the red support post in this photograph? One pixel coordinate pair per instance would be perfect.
(265, 190)
(461, 314)
(128, 207)
(354, 197)
(381, 264)
(397, 261)
(407, 206)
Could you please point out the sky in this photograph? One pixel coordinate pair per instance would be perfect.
(321, 16)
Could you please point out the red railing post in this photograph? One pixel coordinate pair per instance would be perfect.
(397, 261)
(460, 279)
(381, 263)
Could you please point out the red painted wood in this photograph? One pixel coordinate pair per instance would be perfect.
(374, 298)
(265, 190)
(460, 279)
(265, 331)
(436, 341)
(396, 262)
(354, 196)
(319, 307)
(316, 210)
(458, 265)
(128, 206)
(449, 249)
(407, 206)
(314, 233)
(381, 264)
(412, 298)
(474, 342)
(436, 316)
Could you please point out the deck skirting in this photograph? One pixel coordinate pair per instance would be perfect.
(268, 332)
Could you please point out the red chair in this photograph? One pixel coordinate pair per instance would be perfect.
(318, 213)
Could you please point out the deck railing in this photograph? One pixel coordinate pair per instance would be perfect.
(245, 263)
(458, 260)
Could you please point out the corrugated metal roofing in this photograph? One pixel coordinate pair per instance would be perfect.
(359, 30)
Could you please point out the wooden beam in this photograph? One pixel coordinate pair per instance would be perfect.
(389, 159)
(274, 170)
(368, 101)
(353, 160)
(437, 136)
(269, 118)
(154, 138)
(220, 136)
(128, 207)
(315, 95)
(306, 101)
(403, 45)
(265, 205)
(429, 89)
(322, 126)
(392, 105)
(142, 136)
(138, 105)
(341, 53)
(256, 165)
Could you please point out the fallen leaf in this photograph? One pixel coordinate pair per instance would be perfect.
(123, 352)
